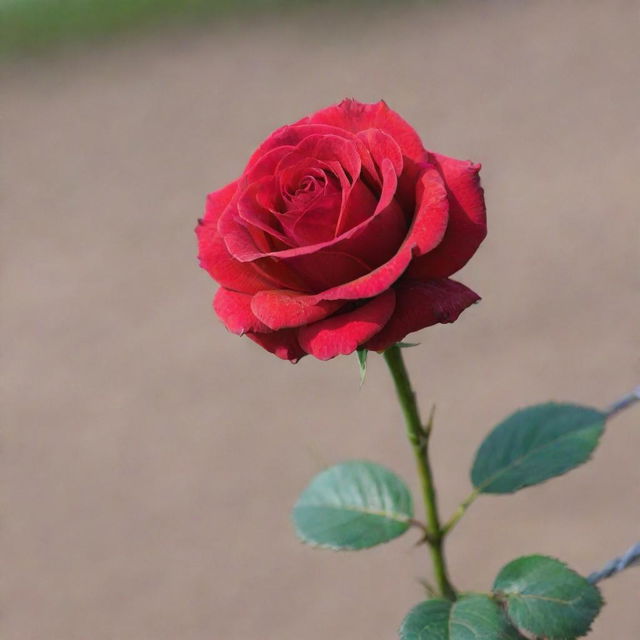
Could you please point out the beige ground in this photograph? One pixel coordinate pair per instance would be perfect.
(149, 459)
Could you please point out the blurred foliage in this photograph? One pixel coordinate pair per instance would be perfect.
(35, 26)
(31, 26)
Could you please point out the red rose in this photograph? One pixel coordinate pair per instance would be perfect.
(341, 233)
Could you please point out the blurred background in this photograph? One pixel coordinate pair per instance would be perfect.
(149, 458)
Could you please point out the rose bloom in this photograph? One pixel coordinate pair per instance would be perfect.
(341, 233)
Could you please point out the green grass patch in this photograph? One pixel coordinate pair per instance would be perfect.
(32, 26)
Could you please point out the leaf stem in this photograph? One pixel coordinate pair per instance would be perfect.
(460, 511)
(418, 435)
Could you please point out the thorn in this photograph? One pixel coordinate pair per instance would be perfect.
(431, 592)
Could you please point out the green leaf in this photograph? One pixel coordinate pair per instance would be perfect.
(353, 505)
(471, 617)
(545, 598)
(407, 345)
(535, 444)
(362, 363)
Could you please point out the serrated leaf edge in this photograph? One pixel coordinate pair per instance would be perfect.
(523, 630)
(462, 595)
(480, 488)
(397, 517)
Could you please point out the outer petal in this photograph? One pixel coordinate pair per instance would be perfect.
(355, 116)
(420, 305)
(213, 254)
(234, 309)
(432, 213)
(467, 221)
(283, 343)
(280, 309)
(344, 333)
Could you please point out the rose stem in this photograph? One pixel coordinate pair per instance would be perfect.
(419, 438)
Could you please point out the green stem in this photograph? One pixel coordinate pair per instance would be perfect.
(419, 438)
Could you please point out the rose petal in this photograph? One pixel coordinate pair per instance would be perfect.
(378, 240)
(382, 146)
(291, 135)
(289, 179)
(324, 148)
(364, 240)
(318, 223)
(251, 208)
(355, 116)
(326, 268)
(281, 309)
(358, 207)
(467, 226)
(425, 233)
(310, 212)
(242, 239)
(213, 254)
(420, 305)
(432, 213)
(388, 182)
(266, 164)
(283, 343)
(336, 155)
(280, 275)
(344, 333)
(406, 191)
(234, 309)
(247, 277)
(247, 243)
